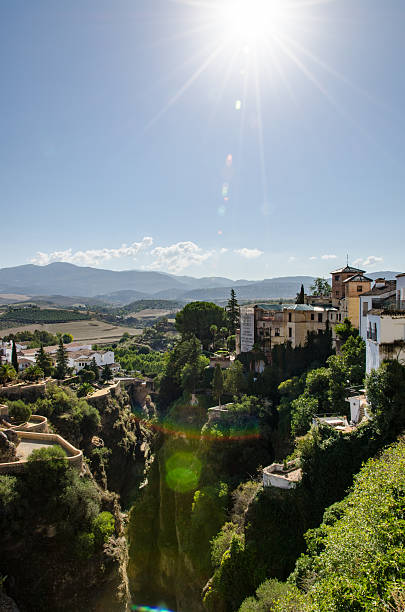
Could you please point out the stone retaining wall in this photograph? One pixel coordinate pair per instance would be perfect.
(75, 455)
(36, 423)
(29, 393)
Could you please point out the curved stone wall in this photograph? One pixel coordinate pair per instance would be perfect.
(74, 455)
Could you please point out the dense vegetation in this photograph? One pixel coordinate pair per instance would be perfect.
(32, 315)
(33, 339)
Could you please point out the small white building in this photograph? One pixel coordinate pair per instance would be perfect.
(385, 337)
(359, 408)
(382, 292)
(25, 362)
(276, 476)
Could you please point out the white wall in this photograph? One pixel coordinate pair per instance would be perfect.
(373, 346)
(363, 318)
(247, 329)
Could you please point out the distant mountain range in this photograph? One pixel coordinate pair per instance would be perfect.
(108, 286)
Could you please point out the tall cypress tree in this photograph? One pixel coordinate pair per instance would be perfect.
(14, 358)
(61, 361)
(233, 312)
(106, 374)
(300, 296)
(43, 361)
(94, 368)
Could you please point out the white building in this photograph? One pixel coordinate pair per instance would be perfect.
(80, 359)
(275, 475)
(385, 337)
(383, 292)
(247, 329)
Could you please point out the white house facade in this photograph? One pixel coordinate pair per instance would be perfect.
(385, 337)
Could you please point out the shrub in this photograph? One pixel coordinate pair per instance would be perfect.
(85, 389)
(32, 373)
(19, 411)
(103, 527)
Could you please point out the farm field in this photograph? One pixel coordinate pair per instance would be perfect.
(150, 313)
(91, 330)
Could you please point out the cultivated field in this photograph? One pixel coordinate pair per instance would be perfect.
(150, 313)
(94, 331)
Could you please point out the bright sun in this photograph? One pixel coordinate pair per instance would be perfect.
(252, 20)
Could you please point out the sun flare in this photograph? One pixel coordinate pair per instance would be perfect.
(254, 20)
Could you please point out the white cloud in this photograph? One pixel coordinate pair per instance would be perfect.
(313, 258)
(371, 260)
(92, 257)
(177, 257)
(329, 257)
(249, 253)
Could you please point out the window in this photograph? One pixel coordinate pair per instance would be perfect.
(277, 331)
(365, 308)
(337, 277)
(375, 332)
(320, 317)
(312, 317)
(289, 317)
(337, 293)
(359, 288)
(290, 332)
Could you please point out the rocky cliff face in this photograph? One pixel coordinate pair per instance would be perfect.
(183, 506)
(128, 443)
(40, 575)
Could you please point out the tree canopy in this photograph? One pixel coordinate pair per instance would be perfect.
(320, 287)
(197, 318)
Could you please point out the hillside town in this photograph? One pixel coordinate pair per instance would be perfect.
(298, 376)
(375, 308)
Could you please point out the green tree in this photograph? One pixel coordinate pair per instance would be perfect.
(301, 296)
(106, 374)
(345, 330)
(234, 380)
(192, 372)
(232, 313)
(218, 383)
(196, 319)
(354, 351)
(7, 373)
(61, 361)
(386, 394)
(14, 358)
(317, 386)
(32, 373)
(320, 287)
(67, 338)
(85, 389)
(223, 332)
(303, 409)
(213, 333)
(43, 361)
(87, 376)
(94, 368)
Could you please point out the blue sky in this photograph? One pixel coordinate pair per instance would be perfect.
(152, 134)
